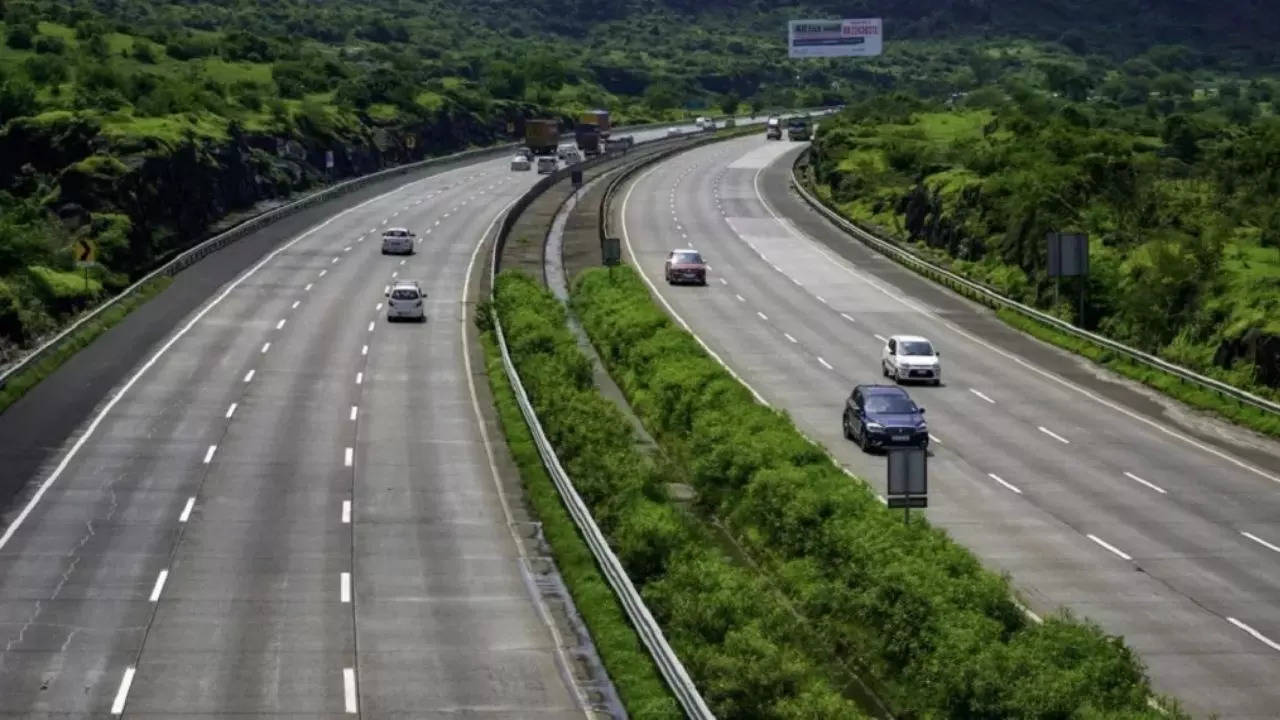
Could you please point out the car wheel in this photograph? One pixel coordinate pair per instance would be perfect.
(863, 442)
(844, 426)
(884, 369)
(897, 378)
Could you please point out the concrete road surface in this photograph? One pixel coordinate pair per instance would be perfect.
(1166, 538)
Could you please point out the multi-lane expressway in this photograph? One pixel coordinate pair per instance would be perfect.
(290, 508)
(1163, 535)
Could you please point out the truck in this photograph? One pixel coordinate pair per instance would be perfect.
(542, 135)
(798, 128)
(592, 131)
(773, 129)
(588, 139)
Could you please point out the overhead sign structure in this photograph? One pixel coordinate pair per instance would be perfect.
(862, 37)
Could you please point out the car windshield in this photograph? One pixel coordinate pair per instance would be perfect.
(404, 294)
(687, 258)
(915, 347)
(897, 404)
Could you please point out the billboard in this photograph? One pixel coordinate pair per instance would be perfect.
(834, 38)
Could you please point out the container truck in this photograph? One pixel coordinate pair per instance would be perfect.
(542, 136)
(598, 118)
(588, 139)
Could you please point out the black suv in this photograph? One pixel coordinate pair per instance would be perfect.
(881, 415)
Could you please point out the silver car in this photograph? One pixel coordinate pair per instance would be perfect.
(397, 240)
(520, 162)
(405, 301)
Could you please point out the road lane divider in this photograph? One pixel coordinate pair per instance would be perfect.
(1270, 546)
(1054, 435)
(1002, 481)
(1140, 481)
(122, 693)
(1110, 548)
(158, 588)
(1256, 635)
(186, 510)
(208, 454)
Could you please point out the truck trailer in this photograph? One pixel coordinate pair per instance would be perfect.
(542, 135)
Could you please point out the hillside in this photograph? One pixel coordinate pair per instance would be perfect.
(140, 124)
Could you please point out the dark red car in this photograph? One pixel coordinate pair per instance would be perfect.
(686, 266)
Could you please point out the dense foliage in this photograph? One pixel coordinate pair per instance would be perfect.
(739, 641)
(920, 611)
(1172, 171)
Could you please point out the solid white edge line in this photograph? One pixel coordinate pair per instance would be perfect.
(1257, 635)
(1054, 435)
(825, 364)
(1003, 482)
(1112, 548)
(817, 246)
(355, 411)
(346, 512)
(208, 454)
(344, 587)
(347, 457)
(1260, 541)
(981, 395)
(186, 510)
(626, 239)
(122, 694)
(231, 410)
(159, 586)
(349, 690)
(1151, 485)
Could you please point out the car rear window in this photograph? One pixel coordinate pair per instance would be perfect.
(404, 294)
(687, 258)
(395, 234)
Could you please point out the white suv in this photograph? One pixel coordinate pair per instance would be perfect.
(404, 300)
(911, 357)
(397, 240)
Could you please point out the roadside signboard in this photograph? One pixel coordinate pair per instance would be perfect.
(84, 251)
(908, 479)
(611, 248)
(861, 37)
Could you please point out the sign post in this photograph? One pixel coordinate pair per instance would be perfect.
(611, 250)
(908, 481)
(1069, 257)
(85, 252)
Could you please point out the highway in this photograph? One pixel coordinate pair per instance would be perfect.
(1159, 535)
(292, 508)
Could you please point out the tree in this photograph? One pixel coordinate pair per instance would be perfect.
(729, 103)
(662, 96)
(1173, 85)
(17, 99)
(49, 45)
(21, 36)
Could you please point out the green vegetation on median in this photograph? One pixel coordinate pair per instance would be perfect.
(20, 383)
(643, 691)
(941, 632)
(739, 640)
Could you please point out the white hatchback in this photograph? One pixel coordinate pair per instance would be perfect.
(397, 240)
(911, 357)
(405, 300)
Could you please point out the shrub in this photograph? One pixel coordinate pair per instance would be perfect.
(939, 629)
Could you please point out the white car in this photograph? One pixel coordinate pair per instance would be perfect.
(674, 132)
(404, 300)
(911, 357)
(547, 164)
(569, 154)
(397, 240)
(520, 162)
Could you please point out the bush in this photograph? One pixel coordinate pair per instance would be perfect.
(21, 36)
(940, 630)
(739, 641)
(50, 45)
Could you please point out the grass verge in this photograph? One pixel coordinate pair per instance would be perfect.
(643, 691)
(23, 381)
(1194, 395)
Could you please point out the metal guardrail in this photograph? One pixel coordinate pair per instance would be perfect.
(994, 299)
(203, 249)
(664, 656)
(194, 254)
